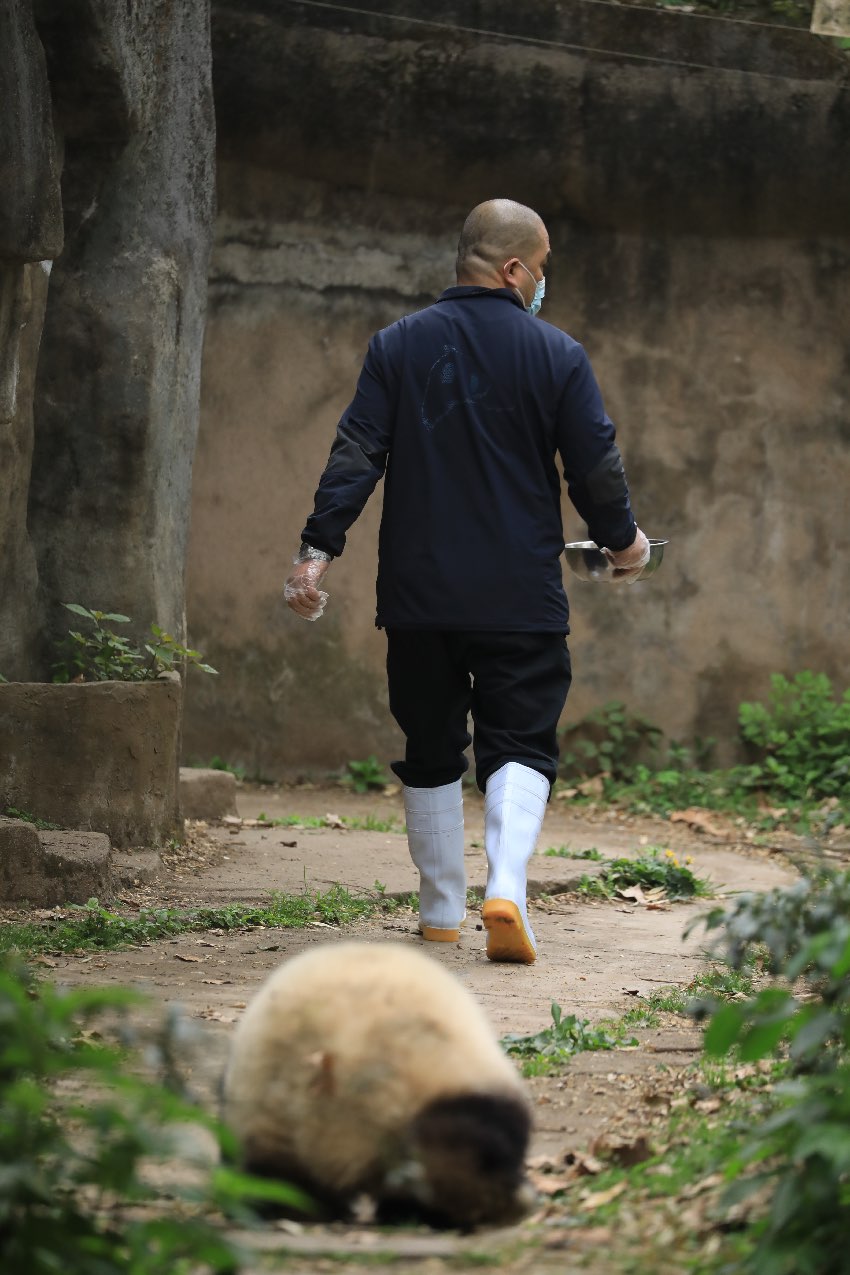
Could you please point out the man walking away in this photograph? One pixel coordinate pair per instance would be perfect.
(465, 406)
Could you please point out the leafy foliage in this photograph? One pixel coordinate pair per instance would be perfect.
(11, 812)
(76, 1126)
(365, 775)
(650, 869)
(802, 1151)
(609, 740)
(546, 1051)
(799, 742)
(802, 736)
(100, 654)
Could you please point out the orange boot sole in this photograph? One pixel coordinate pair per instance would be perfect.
(433, 935)
(507, 939)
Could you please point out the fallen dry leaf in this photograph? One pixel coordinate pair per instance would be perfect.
(633, 892)
(625, 1151)
(699, 820)
(550, 1183)
(697, 1188)
(196, 960)
(595, 1199)
(232, 821)
(333, 821)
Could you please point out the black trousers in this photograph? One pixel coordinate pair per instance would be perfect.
(515, 686)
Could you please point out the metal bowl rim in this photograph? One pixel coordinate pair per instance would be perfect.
(591, 544)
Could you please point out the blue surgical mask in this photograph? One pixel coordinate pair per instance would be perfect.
(539, 291)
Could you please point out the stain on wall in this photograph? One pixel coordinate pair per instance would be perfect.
(699, 220)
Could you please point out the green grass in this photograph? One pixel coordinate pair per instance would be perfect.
(369, 823)
(564, 852)
(716, 984)
(93, 927)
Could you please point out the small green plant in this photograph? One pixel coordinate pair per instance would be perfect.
(100, 654)
(218, 763)
(564, 852)
(651, 869)
(78, 1125)
(11, 812)
(365, 775)
(545, 1052)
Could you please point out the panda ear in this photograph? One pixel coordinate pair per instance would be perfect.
(323, 1081)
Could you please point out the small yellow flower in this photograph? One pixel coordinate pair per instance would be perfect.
(668, 854)
(688, 859)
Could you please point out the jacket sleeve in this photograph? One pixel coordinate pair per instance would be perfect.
(596, 481)
(358, 456)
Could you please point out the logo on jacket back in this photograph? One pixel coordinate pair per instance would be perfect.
(454, 381)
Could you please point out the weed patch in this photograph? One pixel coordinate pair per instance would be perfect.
(545, 1052)
(365, 775)
(95, 927)
(651, 870)
(369, 823)
(564, 852)
(44, 824)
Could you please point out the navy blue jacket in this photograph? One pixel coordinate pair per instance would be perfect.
(465, 405)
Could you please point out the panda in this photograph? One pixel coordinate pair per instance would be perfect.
(368, 1069)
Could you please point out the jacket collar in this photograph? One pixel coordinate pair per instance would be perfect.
(461, 291)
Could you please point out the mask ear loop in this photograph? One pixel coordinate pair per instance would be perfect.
(513, 286)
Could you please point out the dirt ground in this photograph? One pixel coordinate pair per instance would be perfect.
(595, 959)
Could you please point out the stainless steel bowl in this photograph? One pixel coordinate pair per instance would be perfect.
(588, 562)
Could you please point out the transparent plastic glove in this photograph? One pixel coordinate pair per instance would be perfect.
(628, 563)
(301, 591)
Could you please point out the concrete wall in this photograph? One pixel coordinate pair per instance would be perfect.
(699, 221)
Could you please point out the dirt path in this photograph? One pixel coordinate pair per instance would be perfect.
(595, 958)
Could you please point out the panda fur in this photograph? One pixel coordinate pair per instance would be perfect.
(363, 1068)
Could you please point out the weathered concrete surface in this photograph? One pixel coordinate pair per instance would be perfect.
(117, 392)
(96, 757)
(30, 204)
(46, 869)
(23, 295)
(135, 867)
(206, 793)
(699, 218)
(30, 232)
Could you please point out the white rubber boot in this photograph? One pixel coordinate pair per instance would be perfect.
(434, 818)
(514, 806)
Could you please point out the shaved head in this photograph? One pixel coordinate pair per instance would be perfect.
(493, 233)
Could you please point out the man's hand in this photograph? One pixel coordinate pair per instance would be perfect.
(628, 563)
(302, 592)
